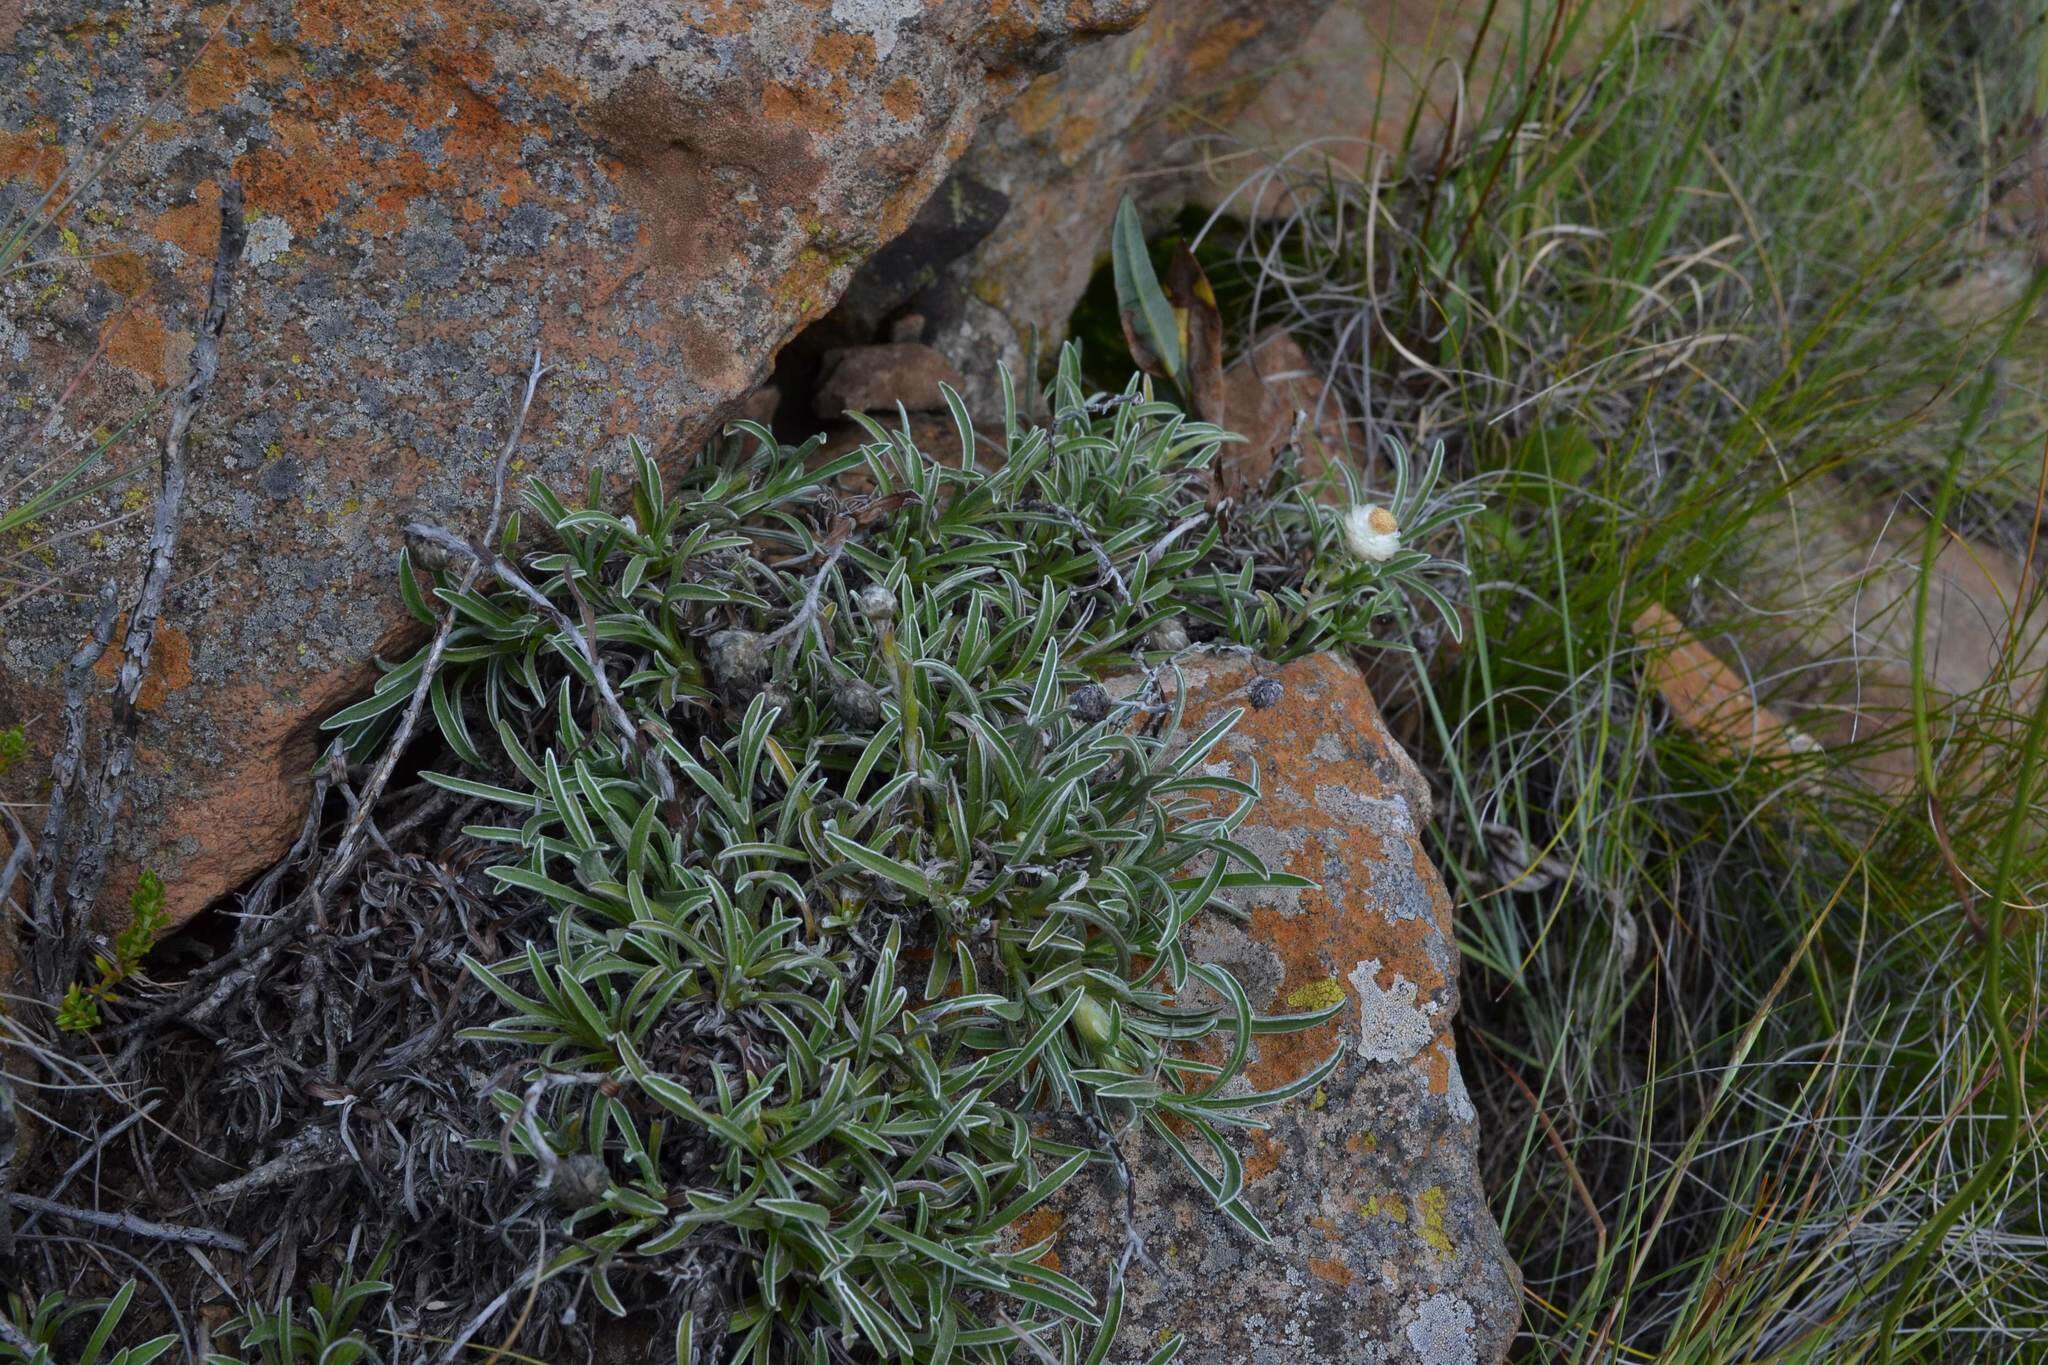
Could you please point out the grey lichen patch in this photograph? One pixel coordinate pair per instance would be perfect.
(1385, 817)
(1459, 1099)
(1442, 1331)
(1391, 1026)
(269, 238)
(1277, 847)
(879, 19)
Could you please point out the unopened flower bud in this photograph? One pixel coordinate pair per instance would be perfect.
(877, 603)
(1169, 635)
(578, 1181)
(1089, 704)
(1093, 1022)
(738, 663)
(857, 704)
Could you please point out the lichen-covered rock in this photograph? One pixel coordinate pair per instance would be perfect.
(1114, 117)
(1383, 1248)
(655, 195)
(1191, 103)
(878, 378)
(1374, 74)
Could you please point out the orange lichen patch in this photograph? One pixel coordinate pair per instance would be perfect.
(1034, 110)
(1435, 1063)
(815, 111)
(170, 665)
(33, 154)
(222, 71)
(1213, 48)
(135, 341)
(1330, 1271)
(1074, 136)
(315, 163)
(900, 99)
(361, 25)
(1326, 931)
(841, 53)
(725, 18)
(1264, 1157)
(124, 272)
(903, 205)
(1040, 1225)
(547, 83)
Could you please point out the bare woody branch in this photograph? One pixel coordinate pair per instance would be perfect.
(139, 638)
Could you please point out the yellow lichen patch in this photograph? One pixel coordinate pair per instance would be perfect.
(1430, 1206)
(1387, 1206)
(1316, 995)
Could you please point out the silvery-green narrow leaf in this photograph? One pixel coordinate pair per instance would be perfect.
(882, 865)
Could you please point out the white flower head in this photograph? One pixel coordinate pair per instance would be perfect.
(1372, 533)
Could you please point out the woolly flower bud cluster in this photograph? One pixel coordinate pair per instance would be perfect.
(1372, 533)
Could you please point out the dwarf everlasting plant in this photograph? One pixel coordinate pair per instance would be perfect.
(869, 901)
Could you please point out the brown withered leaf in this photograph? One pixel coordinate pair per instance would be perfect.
(1144, 357)
(1201, 336)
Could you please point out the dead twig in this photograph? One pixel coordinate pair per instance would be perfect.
(139, 637)
(249, 956)
(92, 1150)
(348, 849)
(808, 611)
(46, 964)
(15, 1337)
(128, 1223)
(508, 574)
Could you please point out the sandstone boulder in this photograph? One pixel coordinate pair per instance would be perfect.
(878, 378)
(1114, 117)
(656, 196)
(1383, 1249)
(1375, 73)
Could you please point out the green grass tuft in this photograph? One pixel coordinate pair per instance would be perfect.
(1752, 1032)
